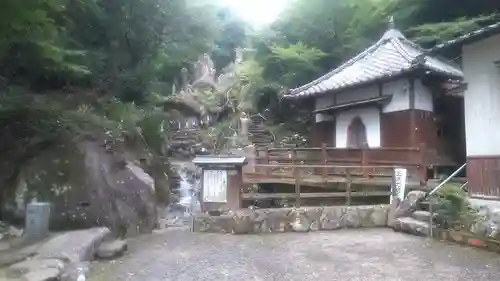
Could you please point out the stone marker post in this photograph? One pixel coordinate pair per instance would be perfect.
(37, 221)
(398, 189)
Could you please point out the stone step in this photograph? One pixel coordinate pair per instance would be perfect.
(411, 226)
(423, 216)
(425, 205)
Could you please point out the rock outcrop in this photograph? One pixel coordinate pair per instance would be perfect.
(88, 186)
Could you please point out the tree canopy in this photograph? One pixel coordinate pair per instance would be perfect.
(73, 67)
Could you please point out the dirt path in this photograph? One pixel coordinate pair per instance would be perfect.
(375, 254)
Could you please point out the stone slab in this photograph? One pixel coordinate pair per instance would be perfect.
(47, 274)
(112, 249)
(34, 265)
(411, 226)
(421, 216)
(74, 246)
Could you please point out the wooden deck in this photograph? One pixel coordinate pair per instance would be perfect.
(333, 168)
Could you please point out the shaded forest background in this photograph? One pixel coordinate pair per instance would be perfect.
(70, 69)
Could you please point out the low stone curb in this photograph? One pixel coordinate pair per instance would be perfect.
(293, 219)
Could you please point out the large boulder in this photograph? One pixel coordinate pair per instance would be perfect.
(88, 186)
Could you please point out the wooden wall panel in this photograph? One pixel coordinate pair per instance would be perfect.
(483, 174)
(395, 129)
(323, 132)
(426, 129)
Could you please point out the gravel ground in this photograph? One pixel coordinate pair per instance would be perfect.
(351, 255)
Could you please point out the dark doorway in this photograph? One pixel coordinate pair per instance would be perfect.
(450, 122)
(356, 133)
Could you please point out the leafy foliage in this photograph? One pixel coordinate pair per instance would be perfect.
(443, 31)
(70, 69)
(452, 206)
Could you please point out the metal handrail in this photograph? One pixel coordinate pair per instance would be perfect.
(447, 179)
(431, 211)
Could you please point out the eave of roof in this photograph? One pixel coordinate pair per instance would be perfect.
(376, 100)
(468, 38)
(391, 56)
(203, 160)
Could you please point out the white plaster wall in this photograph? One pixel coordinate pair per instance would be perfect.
(322, 117)
(423, 97)
(370, 117)
(357, 94)
(482, 97)
(400, 91)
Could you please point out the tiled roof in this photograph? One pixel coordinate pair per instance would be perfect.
(393, 54)
(469, 37)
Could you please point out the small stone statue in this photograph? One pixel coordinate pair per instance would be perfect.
(238, 56)
(244, 125)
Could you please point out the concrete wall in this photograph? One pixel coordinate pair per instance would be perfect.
(482, 97)
(293, 220)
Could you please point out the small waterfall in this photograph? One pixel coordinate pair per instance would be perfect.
(178, 213)
(188, 193)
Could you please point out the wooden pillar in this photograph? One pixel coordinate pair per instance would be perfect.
(364, 160)
(267, 169)
(413, 117)
(234, 187)
(297, 188)
(423, 164)
(324, 155)
(348, 186)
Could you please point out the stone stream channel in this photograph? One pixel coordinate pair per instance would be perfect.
(186, 202)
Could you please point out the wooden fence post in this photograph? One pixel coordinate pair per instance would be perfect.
(324, 155)
(348, 186)
(297, 188)
(294, 162)
(267, 169)
(364, 160)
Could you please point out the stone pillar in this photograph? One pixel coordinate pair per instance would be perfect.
(37, 221)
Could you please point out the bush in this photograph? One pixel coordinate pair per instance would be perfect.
(452, 206)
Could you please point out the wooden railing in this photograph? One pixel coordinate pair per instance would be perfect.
(329, 161)
(299, 179)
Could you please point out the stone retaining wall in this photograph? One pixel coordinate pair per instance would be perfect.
(293, 219)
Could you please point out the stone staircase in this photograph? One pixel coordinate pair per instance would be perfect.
(187, 143)
(413, 215)
(258, 134)
(417, 223)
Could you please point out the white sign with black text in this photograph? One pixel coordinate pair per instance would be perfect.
(215, 186)
(399, 187)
